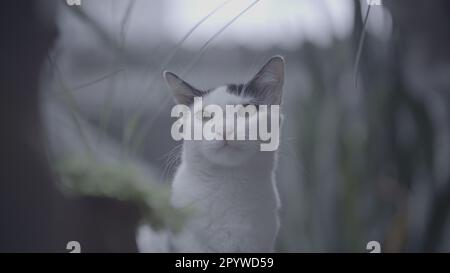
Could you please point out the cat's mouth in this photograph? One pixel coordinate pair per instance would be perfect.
(226, 145)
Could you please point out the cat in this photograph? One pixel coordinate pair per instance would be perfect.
(230, 185)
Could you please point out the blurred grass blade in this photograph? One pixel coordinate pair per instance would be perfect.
(73, 107)
(132, 123)
(92, 82)
(360, 47)
(213, 37)
(141, 137)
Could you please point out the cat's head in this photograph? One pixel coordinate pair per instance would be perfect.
(265, 88)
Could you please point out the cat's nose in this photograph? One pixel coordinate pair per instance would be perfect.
(228, 130)
(228, 134)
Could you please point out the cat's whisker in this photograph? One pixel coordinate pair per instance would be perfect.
(172, 158)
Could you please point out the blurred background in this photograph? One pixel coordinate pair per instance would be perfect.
(365, 149)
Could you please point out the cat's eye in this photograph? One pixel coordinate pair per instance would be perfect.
(246, 110)
(204, 115)
(207, 115)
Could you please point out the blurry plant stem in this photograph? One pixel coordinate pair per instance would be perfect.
(141, 137)
(396, 235)
(437, 219)
(132, 123)
(360, 47)
(168, 59)
(118, 61)
(73, 107)
(102, 34)
(91, 82)
(213, 37)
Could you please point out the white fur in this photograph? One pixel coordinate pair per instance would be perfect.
(230, 185)
(231, 190)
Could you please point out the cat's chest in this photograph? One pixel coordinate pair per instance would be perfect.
(232, 212)
(222, 193)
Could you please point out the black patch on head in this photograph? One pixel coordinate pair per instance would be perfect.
(235, 89)
(244, 90)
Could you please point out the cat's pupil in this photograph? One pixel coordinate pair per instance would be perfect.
(206, 115)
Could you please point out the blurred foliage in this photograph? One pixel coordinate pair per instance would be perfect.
(370, 150)
(88, 177)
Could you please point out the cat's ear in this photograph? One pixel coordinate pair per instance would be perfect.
(268, 82)
(183, 92)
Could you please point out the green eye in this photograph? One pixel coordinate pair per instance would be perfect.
(243, 109)
(205, 115)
